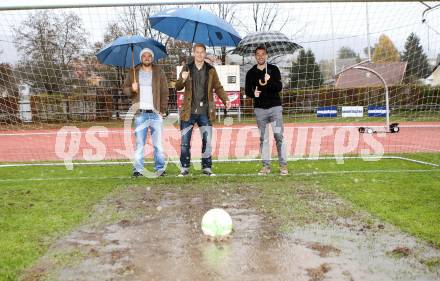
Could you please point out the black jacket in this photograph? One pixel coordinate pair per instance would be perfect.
(270, 93)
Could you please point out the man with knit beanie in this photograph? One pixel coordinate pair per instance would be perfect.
(150, 98)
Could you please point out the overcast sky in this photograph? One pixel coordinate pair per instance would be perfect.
(323, 27)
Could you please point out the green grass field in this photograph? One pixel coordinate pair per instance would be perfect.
(38, 204)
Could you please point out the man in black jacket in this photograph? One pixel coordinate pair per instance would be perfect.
(263, 84)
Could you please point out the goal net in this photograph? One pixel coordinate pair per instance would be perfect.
(365, 82)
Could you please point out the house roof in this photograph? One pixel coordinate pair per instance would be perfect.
(392, 73)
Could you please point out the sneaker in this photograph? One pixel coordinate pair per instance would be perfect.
(136, 174)
(183, 172)
(161, 173)
(265, 171)
(208, 172)
(283, 170)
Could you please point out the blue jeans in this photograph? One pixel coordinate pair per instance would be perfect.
(186, 130)
(143, 122)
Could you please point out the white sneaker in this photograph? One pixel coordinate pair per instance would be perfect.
(208, 172)
(265, 170)
(183, 172)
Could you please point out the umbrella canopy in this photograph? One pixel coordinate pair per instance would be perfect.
(275, 42)
(125, 50)
(195, 25)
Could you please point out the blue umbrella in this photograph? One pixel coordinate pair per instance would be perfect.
(124, 51)
(195, 25)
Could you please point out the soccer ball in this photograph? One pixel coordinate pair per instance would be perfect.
(216, 223)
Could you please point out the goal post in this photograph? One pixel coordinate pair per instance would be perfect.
(362, 65)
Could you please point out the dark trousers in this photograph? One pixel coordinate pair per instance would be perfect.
(186, 130)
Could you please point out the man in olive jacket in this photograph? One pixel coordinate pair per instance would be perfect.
(149, 97)
(199, 80)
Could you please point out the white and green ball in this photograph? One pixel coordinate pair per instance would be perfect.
(216, 223)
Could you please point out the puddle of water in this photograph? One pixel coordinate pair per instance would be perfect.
(366, 254)
(167, 244)
(176, 250)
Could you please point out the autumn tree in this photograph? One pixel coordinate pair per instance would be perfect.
(385, 51)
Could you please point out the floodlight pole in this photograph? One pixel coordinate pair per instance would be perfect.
(387, 103)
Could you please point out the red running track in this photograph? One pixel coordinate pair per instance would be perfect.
(238, 141)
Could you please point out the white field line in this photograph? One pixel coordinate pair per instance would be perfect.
(176, 161)
(233, 175)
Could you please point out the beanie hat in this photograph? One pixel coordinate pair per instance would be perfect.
(146, 50)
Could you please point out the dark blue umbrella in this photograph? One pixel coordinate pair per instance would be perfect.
(195, 25)
(124, 51)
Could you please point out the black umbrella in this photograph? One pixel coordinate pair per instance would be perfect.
(276, 44)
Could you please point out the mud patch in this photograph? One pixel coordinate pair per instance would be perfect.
(401, 251)
(324, 250)
(146, 233)
(318, 274)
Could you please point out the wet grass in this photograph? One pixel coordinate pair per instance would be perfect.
(38, 204)
(32, 214)
(433, 264)
(409, 200)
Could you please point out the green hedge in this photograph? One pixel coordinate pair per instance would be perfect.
(49, 107)
(9, 110)
(79, 107)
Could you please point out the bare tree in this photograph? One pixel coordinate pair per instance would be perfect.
(265, 16)
(134, 20)
(49, 43)
(226, 12)
(146, 12)
(36, 37)
(112, 32)
(51, 37)
(71, 38)
(129, 20)
(112, 78)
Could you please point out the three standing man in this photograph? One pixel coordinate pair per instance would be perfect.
(200, 80)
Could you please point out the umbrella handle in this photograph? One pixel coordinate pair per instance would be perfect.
(262, 83)
(265, 82)
(132, 64)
